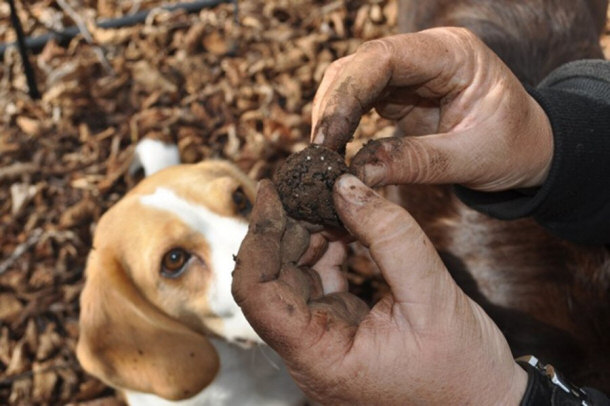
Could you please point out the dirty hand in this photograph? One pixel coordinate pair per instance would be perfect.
(466, 118)
(425, 342)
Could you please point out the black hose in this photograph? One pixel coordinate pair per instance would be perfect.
(23, 50)
(62, 37)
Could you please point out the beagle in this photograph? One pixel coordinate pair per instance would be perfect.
(158, 320)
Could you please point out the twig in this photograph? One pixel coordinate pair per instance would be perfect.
(38, 22)
(20, 250)
(82, 27)
(35, 44)
(10, 379)
(80, 23)
(135, 7)
(17, 169)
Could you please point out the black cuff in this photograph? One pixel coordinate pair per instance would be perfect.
(574, 201)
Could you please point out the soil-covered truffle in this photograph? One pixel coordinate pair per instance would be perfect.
(305, 184)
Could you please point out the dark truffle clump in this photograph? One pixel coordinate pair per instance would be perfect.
(305, 184)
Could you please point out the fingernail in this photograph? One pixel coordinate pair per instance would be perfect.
(260, 185)
(373, 174)
(352, 190)
(262, 188)
(319, 138)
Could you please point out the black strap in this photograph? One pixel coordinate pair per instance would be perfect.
(542, 391)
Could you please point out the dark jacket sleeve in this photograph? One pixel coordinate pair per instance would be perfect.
(574, 201)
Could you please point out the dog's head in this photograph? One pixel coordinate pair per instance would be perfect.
(158, 281)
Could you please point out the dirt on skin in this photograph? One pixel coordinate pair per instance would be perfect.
(305, 184)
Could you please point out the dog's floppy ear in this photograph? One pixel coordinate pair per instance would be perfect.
(128, 343)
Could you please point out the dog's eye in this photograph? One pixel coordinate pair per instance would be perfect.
(174, 262)
(242, 203)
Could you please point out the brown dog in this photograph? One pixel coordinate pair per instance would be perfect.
(551, 298)
(532, 37)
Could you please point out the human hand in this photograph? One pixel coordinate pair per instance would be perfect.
(425, 342)
(476, 124)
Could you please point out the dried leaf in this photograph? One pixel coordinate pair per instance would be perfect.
(29, 126)
(10, 307)
(43, 385)
(5, 346)
(82, 211)
(21, 392)
(21, 194)
(151, 79)
(215, 43)
(20, 361)
(31, 335)
(50, 342)
(90, 389)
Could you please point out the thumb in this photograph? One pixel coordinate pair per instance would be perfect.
(405, 255)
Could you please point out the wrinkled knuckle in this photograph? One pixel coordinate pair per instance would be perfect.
(465, 43)
(463, 34)
(238, 293)
(266, 226)
(388, 223)
(394, 230)
(375, 150)
(424, 163)
(334, 68)
(381, 49)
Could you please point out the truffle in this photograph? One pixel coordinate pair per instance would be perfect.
(305, 184)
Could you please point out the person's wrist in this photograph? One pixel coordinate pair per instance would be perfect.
(541, 150)
(503, 389)
(518, 385)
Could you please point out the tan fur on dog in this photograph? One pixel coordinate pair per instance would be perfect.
(140, 330)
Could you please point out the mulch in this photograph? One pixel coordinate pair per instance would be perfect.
(219, 85)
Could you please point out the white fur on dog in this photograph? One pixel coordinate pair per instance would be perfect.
(224, 235)
(253, 376)
(246, 378)
(154, 155)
